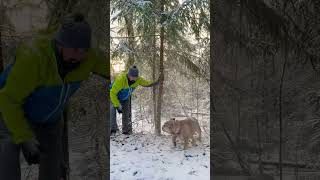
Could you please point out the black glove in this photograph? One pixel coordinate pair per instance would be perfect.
(156, 83)
(161, 78)
(31, 151)
(119, 109)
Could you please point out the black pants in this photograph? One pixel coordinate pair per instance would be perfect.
(51, 160)
(126, 117)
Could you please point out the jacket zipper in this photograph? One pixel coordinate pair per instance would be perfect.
(57, 107)
(61, 99)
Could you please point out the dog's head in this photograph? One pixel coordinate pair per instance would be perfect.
(172, 126)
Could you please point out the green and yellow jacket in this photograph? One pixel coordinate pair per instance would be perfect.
(32, 90)
(120, 89)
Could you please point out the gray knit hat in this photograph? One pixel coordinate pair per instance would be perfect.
(75, 32)
(133, 71)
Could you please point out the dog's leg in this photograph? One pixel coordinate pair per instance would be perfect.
(199, 133)
(193, 141)
(174, 138)
(186, 142)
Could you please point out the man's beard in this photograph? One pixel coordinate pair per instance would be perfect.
(130, 81)
(70, 65)
(67, 66)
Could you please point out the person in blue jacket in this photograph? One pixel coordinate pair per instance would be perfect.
(120, 91)
(34, 92)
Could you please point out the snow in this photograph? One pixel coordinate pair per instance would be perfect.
(115, 15)
(147, 157)
(142, 3)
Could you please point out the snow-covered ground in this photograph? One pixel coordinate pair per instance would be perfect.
(150, 157)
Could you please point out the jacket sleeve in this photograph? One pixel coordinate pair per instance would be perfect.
(102, 66)
(116, 87)
(20, 83)
(146, 83)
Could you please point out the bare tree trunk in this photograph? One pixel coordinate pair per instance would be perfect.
(102, 10)
(197, 95)
(213, 45)
(154, 88)
(130, 34)
(280, 111)
(259, 147)
(237, 101)
(102, 134)
(1, 55)
(158, 121)
(296, 169)
(1, 23)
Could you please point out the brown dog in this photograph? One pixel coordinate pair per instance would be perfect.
(184, 129)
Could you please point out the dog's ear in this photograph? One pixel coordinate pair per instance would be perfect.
(176, 127)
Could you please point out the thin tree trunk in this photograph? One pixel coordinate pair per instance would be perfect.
(104, 124)
(239, 118)
(259, 147)
(154, 71)
(1, 23)
(280, 112)
(237, 100)
(154, 65)
(296, 169)
(236, 77)
(197, 91)
(259, 141)
(101, 17)
(1, 55)
(130, 34)
(158, 121)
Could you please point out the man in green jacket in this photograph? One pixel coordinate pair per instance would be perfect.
(34, 92)
(120, 92)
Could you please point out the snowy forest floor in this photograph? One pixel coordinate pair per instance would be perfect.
(150, 157)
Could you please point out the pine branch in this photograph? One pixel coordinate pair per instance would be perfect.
(120, 37)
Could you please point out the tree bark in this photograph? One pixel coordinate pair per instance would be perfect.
(154, 67)
(161, 69)
(102, 9)
(1, 55)
(280, 111)
(259, 146)
(1, 47)
(130, 34)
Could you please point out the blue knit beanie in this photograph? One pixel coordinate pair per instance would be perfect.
(133, 71)
(75, 32)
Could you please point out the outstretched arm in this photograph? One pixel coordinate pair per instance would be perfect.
(145, 83)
